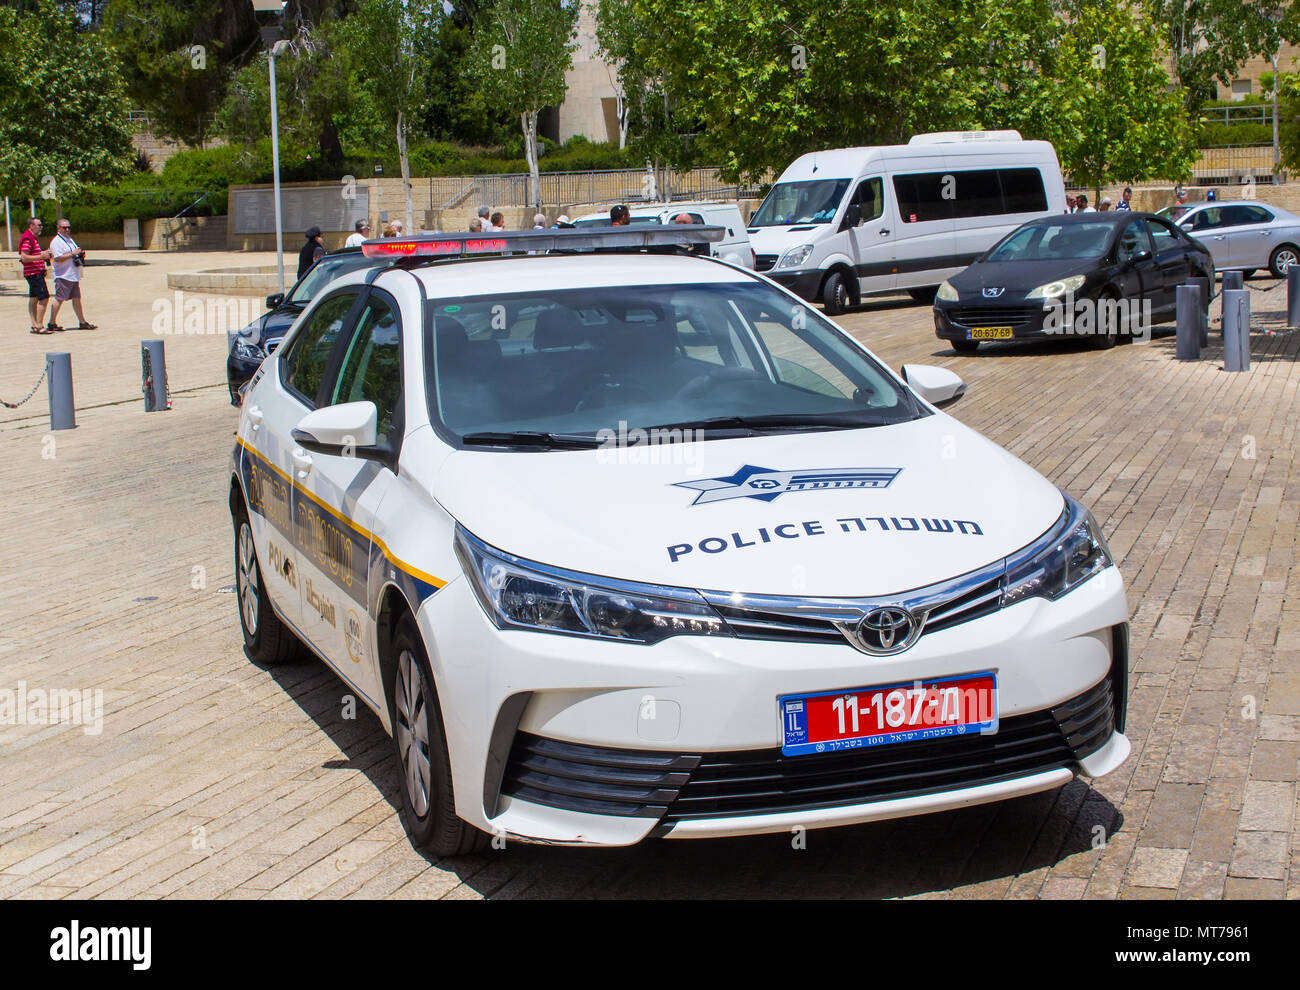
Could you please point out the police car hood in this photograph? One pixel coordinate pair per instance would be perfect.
(840, 513)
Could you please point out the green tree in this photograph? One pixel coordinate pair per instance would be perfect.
(1209, 39)
(388, 41)
(64, 123)
(1113, 117)
(523, 50)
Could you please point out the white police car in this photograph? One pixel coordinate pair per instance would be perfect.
(620, 545)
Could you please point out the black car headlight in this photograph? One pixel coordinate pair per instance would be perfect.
(1069, 553)
(521, 594)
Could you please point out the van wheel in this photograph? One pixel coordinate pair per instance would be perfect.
(835, 294)
(267, 640)
(925, 295)
(428, 802)
(965, 346)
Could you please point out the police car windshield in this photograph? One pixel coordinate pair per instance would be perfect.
(800, 202)
(1053, 241)
(549, 369)
(325, 271)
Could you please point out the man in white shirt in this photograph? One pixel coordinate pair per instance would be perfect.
(68, 259)
(1083, 205)
(362, 233)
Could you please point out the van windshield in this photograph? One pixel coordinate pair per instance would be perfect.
(800, 202)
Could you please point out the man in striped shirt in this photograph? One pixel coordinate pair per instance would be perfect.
(34, 258)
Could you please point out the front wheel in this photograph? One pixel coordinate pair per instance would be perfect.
(1282, 259)
(835, 294)
(428, 802)
(965, 346)
(924, 295)
(1106, 329)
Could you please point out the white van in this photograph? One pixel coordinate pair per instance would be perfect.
(734, 247)
(851, 222)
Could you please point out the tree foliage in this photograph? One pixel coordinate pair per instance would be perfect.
(65, 110)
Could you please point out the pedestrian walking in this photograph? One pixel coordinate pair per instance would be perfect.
(1104, 205)
(498, 221)
(1083, 207)
(620, 215)
(67, 257)
(1124, 200)
(361, 233)
(485, 222)
(33, 257)
(476, 225)
(312, 251)
(1070, 202)
(539, 221)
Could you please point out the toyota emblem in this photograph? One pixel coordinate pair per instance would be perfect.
(886, 630)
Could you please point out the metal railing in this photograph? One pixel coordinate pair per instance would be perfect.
(1219, 166)
(1246, 113)
(565, 189)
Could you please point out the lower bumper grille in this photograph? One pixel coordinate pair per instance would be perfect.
(990, 316)
(674, 787)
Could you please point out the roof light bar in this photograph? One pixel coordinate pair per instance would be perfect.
(625, 238)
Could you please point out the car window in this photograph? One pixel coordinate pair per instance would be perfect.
(870, 197)
(1256, 214)
(1162, 234)
(372, 367)
(1239, 216)
(304, 363)
(1207, 219)
(324, 272)
(1134, 240)
(619, 357)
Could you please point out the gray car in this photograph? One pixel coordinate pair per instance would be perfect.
(1242, 236)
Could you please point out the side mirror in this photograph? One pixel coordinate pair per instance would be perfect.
(852, 217)
(937, 386)
(274, 300)
(346, 430)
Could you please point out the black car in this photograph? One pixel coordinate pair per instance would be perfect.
(249, 346)
(1085, 274)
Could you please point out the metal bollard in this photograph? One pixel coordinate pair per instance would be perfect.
(1236, 330)
(1189, 323)
(58, 382)
(1233, 280)
(1203, 306)
(1293, 296)
(153, 366)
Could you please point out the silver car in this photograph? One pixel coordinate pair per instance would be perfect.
(1242, 236)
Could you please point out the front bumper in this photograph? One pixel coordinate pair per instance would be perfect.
(564, 740)
(804, 284)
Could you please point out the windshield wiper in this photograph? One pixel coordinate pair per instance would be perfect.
(775, 422)
(531, 438)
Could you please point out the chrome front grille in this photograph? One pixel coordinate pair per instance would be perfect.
(830, 620)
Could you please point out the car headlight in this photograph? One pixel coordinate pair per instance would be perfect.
(248, 350)
(1067, 555)
(795, 256)
(1058, 288)
(520, 594)
(946, 292)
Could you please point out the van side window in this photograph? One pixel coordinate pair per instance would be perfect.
(961, 193)
(870, 197)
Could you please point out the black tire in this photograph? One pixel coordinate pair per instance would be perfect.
(835, 294)
(924, 295)
(1104, 337)
(965, 346)
(1282, 258)
(269, 642)
(428, 811)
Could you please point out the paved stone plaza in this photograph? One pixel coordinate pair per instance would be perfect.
(210, 777)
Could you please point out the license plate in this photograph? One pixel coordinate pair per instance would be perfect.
(876, 716)
(990, 333)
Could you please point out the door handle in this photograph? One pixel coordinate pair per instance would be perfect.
(884, 232)
(301, 462)
(255, 416)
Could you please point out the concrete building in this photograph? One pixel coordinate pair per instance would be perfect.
(590, 103)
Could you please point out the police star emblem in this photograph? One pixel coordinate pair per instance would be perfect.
(767, 484)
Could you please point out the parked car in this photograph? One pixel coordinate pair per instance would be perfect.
(579, 639)
(852, 222)
(1051, 277)
(1243, 236)
(247, 348)
(734, 247)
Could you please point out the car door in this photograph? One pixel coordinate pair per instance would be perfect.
(871, 241)
(1248, 235)
(339, 495)
(1139, 274)
(305, 366)
(1173, 257)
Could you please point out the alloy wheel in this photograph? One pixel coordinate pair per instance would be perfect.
(412, 731)
(247, 579)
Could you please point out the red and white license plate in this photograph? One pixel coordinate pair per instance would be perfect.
(933, 709)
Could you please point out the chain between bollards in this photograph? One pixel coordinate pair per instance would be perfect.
(15, 405)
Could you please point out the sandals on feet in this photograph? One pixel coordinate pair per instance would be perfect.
(53, 328)
(86, 326)
(37, 328)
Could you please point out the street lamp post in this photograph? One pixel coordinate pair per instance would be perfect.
(271, 35)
